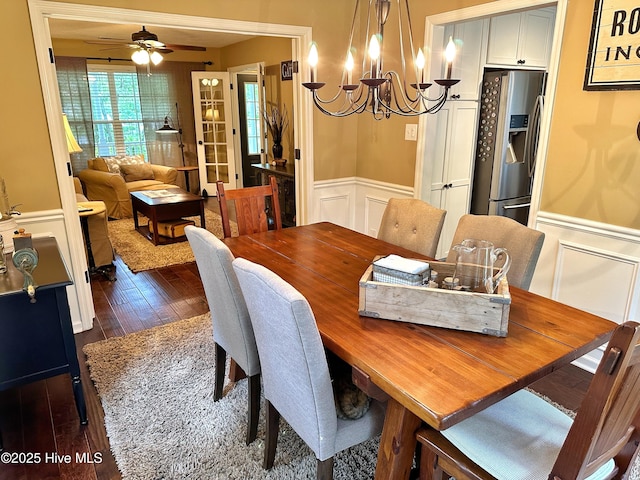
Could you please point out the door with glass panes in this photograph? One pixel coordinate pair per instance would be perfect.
(214, 130)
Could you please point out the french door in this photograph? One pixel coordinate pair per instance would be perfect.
(214, 130)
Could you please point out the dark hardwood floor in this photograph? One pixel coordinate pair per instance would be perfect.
(39, 420)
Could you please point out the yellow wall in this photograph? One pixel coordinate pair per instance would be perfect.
(592, 169)
(271, 51)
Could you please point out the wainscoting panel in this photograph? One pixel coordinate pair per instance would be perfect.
(604, 286)
(354, 202)
(591, 266)
(373, 210)
(52, 223)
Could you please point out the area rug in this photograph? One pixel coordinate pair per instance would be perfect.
(156, 389)
(140, 254)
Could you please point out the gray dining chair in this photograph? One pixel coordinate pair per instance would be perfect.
(523, 243)
(412, 224)
(295, 372)
(232, 330)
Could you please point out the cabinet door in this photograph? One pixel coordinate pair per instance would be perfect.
(536, 37)
(449, 153)
(470, 39)
(521, 39)
(214, 130)
(502, 46)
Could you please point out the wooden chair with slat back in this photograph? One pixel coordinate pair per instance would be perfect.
(523, 436)
(251, 208)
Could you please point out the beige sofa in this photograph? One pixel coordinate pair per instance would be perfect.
(98, 232)
(111, 179)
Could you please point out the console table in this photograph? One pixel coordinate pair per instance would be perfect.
(36, 339)
(285, 178)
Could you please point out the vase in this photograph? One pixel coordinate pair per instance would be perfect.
(277, 150)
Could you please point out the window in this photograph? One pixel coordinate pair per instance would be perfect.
(115, 107)
(252, 109)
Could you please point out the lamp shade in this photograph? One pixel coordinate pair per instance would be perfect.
(167, 128)
(72, 144)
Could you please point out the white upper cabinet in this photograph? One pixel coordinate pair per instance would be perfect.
(470, 39)
(521, 39)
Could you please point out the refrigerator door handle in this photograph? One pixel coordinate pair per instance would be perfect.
(519, 205)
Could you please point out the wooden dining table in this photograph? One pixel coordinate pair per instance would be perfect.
(428, 374)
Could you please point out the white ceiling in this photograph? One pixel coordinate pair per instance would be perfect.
(91, 31)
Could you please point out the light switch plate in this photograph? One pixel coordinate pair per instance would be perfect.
(411, 131)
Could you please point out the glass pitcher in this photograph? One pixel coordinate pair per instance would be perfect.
(475, 265)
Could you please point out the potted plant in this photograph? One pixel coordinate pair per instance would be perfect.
(277, 122)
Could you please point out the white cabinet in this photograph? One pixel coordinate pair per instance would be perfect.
(470, 39)
(449, 154)
(521, 39)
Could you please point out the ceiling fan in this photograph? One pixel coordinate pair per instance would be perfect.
(147, 47)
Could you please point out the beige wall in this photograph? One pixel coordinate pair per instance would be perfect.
(592, 169)
(271, 51)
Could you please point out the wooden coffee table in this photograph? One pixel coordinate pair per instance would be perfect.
(170, 204)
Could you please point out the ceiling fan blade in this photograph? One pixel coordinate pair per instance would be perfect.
(106, 42)
(186, 47)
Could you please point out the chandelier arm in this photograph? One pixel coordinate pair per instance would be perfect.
(410, 108)
(359, 90)
(340, 113)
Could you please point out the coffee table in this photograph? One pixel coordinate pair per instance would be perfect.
(162, 205)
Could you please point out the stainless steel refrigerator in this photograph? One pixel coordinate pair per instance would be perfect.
(508, 131)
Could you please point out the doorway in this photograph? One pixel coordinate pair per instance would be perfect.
(41, 11)
(249, 122)
(424, 172)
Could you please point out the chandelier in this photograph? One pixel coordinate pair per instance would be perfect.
(381, 92)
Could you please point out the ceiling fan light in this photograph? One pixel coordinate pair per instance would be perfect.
(156, 58)
(141, 57)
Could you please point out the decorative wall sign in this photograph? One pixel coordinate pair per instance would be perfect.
(286, 70)
(613, 62)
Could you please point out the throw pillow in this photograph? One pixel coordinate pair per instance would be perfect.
(132, 173)
(113, 163)
(98, 164)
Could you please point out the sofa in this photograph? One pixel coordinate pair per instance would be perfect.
(98, 232)
(111, 179)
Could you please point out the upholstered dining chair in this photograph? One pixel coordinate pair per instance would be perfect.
(523, 243)
(525, 437)
(251, 207)
(412, 224)
(232, 330)
(295, 372)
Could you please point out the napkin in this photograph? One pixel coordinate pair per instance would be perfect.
(406, 265)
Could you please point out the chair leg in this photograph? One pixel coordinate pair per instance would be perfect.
(271, 440)
(221, 363)
(325, 469)
(429, 468)
(253, 410)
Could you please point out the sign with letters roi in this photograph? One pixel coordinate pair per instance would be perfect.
(613, 62)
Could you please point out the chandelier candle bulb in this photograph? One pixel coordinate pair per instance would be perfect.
(450, 54)
(313, 62)
(349, 68)
(420, 65)
(374, 54)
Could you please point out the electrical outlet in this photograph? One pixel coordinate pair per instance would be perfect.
(411, 131)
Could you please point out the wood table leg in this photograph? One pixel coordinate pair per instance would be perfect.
(397, 444)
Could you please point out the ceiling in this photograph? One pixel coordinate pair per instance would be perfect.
(91, 31)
